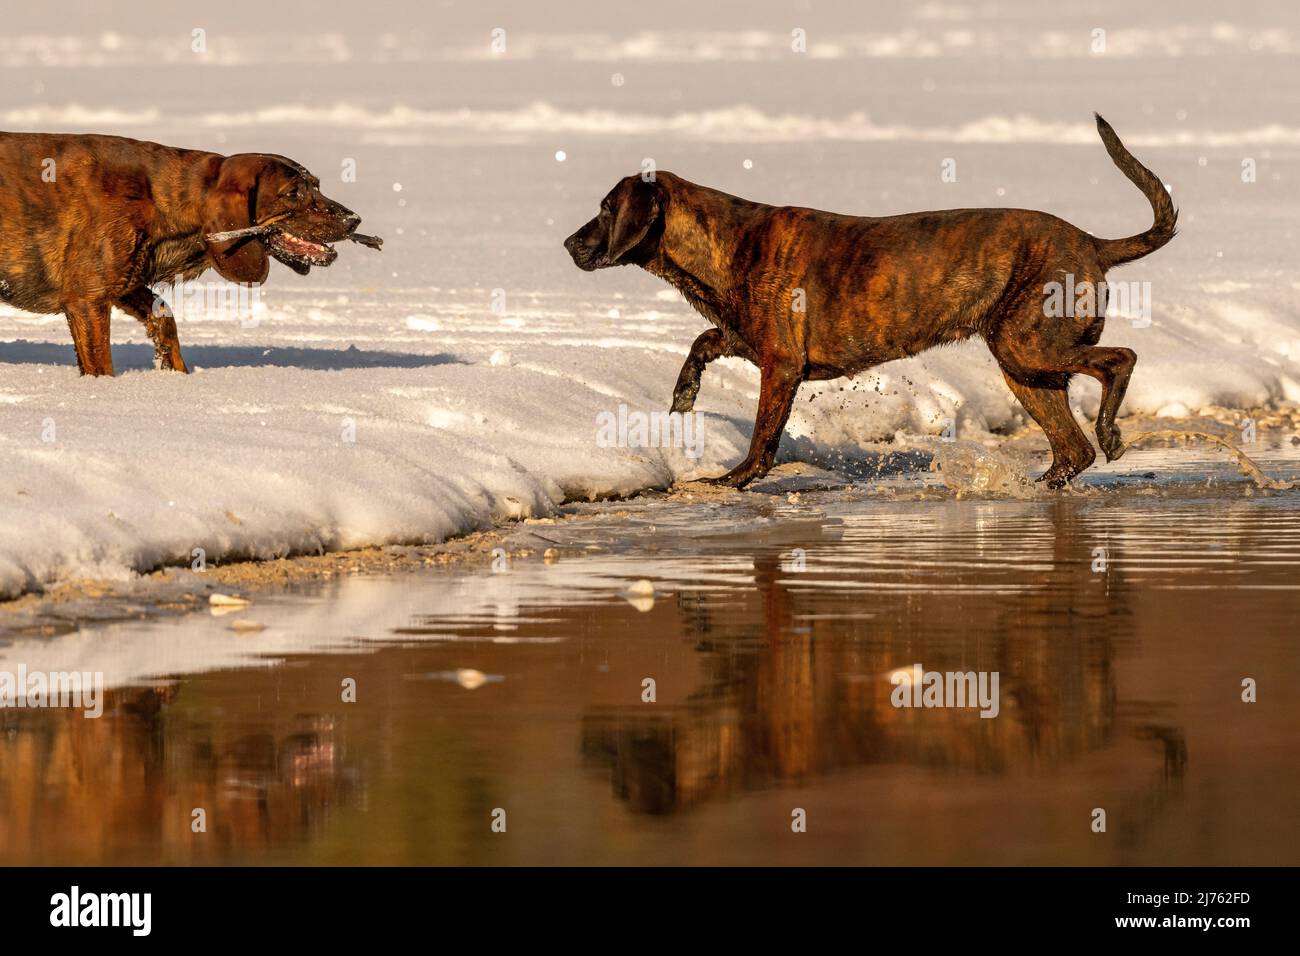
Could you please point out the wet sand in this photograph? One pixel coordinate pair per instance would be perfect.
(515, 683)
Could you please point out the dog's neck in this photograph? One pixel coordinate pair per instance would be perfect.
(176, 245)
(699, 261)
(180, 209)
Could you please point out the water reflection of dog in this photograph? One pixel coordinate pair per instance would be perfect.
(124, 787)
(798, 691)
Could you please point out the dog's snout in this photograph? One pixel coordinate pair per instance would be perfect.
(351, 221)
(579, 249)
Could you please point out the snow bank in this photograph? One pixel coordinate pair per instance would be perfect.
(935, 31)
(105, 477)
(269, 452)
(740, 123)
(286, 450)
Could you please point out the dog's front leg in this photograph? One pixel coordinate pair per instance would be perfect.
(159, 322)
(708, 346)
(776, 395)
(89, 325)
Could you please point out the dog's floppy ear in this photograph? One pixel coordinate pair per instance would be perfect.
(638, 208)
(232, 204)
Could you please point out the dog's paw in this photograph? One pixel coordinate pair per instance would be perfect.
(1056, 477)
(732, 479)
(1112, 446)
(684, 400)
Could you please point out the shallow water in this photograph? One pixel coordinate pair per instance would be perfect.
(1121, 621)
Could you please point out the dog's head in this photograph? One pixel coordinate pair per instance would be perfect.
(261, 189)
(627, 229)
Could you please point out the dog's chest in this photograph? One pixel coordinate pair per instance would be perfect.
(701, 297)
(175, 256)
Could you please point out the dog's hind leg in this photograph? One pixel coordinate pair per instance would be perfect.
(89, 325)
(1049, 405)
(1112, 367)
(1039, 350)
(709, 346)
(157, 319)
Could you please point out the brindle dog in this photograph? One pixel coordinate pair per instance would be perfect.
(92, 222)
(810, 295)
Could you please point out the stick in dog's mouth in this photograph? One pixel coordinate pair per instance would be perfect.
(372, 242)
(241, 233)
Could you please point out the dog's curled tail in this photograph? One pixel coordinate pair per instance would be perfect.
(1112, 252)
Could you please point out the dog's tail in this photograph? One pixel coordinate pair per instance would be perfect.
(1112, 252)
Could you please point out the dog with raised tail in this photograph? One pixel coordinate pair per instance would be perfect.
(808, 295)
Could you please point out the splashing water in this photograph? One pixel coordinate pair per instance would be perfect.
(968, 467)
(1245, 465)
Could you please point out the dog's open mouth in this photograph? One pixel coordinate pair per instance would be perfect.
(300, 254)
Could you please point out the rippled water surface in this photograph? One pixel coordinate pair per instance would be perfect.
(1122, 625)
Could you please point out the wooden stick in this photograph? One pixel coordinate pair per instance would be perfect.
(373, 242)
(241, 233)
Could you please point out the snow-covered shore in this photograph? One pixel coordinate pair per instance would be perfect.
(269, 451)
(106, 477)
